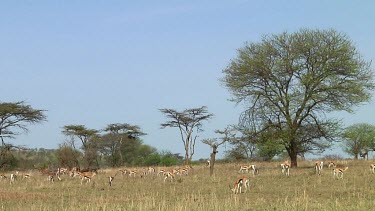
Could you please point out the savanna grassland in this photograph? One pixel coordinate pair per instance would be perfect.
(269, 190)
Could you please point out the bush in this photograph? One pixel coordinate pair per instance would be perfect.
(168, 161)
(7, 160)
(153, 160)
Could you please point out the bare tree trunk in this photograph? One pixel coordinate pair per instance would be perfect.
(293, 160)
(121, 157)
(213, 158)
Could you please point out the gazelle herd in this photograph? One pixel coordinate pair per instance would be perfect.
(338, 173)
(169, 174)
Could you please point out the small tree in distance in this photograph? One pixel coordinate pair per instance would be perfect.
(189, 122)
(87, 138)
(358, 139)
(112, 143)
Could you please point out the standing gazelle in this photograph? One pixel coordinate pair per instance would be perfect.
(12, 178)
(111, 178)
(318, 167)
(285, 168)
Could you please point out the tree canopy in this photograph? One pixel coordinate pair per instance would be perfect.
(117, 140)
(189, 122)
(14, 118)
(290, 81)
(81, 132)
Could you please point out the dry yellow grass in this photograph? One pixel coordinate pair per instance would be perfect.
(270, 190)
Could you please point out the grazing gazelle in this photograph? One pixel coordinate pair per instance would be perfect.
(168, 175)
(132, 173)
(237, 186)
(339, 172)
(124, 171)
(50, 178)
(161, 172)
(86, 176)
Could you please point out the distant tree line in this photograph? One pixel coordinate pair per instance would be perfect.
(115, 145)
(65, 156)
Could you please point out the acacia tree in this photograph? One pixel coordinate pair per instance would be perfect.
(215, 143)
(189, 122)
(113, 140)
(14, 118)
(81, 132)
(88, 138)
(291, 81)
(358, 139)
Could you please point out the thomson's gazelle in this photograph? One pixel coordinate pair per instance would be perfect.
(339, 172)
(237, 186)
(111, 180)
(12, 178)
(318, 167)
(86, 176)
(285, 168)
(168, 175)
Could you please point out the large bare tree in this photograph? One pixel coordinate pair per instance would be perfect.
(290, 81)
(189, 122)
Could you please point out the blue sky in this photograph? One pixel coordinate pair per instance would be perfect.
(101, 62)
